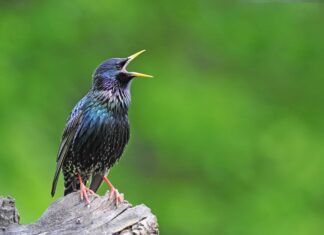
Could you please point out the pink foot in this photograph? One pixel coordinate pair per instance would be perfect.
(119, 197)
(84, 191)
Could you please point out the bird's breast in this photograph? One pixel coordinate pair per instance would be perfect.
(101, 138)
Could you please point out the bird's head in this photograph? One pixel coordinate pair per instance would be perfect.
(112, 72)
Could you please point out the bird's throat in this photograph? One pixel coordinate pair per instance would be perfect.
(116, 101)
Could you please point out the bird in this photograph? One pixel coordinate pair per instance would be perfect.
(97, 131)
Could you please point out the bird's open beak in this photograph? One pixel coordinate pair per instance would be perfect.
(135, 74)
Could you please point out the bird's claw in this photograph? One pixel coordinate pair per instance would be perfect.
(84, 193)
(119, 197)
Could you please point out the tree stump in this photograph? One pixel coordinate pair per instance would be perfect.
(70, 215)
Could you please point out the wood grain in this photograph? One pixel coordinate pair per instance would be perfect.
(69, 215)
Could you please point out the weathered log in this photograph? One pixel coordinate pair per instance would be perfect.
(70, 215)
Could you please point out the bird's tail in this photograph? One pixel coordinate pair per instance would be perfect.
(96, 180)
(70, 187)
(71, 184)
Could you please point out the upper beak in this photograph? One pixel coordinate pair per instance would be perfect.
(135, 74)
(131, 57)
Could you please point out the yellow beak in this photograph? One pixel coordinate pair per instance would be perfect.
(143, 75)
(135, 74)
(135, 55)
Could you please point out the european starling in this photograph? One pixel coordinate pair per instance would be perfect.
(97, 130)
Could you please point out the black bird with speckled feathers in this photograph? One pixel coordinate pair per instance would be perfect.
(97, 130)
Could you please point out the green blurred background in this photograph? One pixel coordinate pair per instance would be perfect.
(228, 138)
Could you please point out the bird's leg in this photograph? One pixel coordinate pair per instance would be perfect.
(84, 191)
(119, 196)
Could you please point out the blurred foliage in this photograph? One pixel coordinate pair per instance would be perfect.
(226, 139)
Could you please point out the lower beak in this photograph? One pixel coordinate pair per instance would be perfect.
(135, 74)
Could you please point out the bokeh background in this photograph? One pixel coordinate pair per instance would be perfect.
(228, 138)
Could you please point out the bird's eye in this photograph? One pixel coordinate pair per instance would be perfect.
(119, 67)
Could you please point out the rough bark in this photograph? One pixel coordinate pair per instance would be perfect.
(69, 215)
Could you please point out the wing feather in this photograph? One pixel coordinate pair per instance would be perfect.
(67, 139)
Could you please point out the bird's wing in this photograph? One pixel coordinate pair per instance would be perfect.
(96, 180)
(67, 139)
